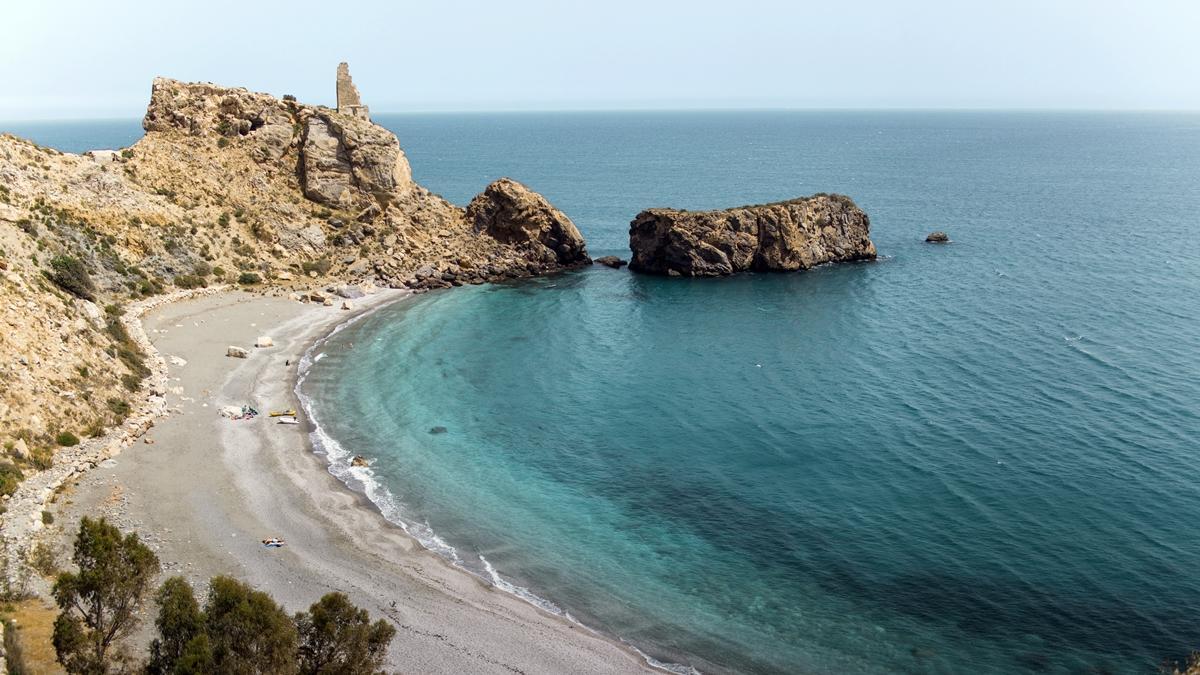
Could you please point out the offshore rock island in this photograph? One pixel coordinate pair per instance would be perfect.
(786, 236)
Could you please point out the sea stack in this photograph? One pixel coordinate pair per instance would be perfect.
(782, 237)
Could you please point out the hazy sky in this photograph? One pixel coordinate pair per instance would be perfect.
(88, 58)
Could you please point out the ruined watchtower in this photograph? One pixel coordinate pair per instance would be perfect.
(347, 94)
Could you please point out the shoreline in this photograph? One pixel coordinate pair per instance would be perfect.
(433, 542)
(204, 517)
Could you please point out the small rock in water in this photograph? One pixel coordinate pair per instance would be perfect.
(438, 430)
(937, 238)
(612, 261)
(359, 460)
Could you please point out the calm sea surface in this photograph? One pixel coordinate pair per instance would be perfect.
(979, 457)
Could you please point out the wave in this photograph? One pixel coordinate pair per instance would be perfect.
(363, 479)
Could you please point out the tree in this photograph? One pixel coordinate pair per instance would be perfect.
(336, 637)
(247, 631)
(100, 602)
(182, 644)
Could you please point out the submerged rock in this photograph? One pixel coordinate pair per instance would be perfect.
(937, 238)
(438, 430)
(786, 236)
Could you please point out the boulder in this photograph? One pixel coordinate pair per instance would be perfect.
(513, 214)
(346, 304)
(345, 160)
(20, 449)
(937, 238)
(349, 291)
(236, 352)
(611, 261)
(264, 341)
(786, 236)
(437, 430)
(359, 460)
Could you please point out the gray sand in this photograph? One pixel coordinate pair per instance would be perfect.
(209, 489)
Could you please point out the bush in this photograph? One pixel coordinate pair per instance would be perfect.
(127, 153)
(10, 477)
(47, 518)
(248, 278)
(41, 459)
(44, 558)
(320, 266)
(218, 271)
(66, 439)
(202, 269)
(13, 655)
(190, 281)
(222, 142)
(72, 276)
(119, 407)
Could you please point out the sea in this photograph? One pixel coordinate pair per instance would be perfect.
(979, 457)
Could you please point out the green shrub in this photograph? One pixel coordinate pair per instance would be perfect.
(119, 407)
(219, 271)
(72, 276)
(131, 381)
(190, 281)
(223, 219)
(222, 142)
(66, 439)
(127, 153)
(202, 269)
(10, 477)
(47, 518)
(248, 278)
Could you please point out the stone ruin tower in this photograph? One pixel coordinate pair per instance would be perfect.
(348, 101)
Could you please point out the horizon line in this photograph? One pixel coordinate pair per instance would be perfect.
(714, 109)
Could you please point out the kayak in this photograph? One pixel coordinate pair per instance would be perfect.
(283, 413)
(288, 420)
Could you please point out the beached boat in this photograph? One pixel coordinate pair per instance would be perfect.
(283, 413)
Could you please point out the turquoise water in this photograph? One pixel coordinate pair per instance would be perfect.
(978, 457)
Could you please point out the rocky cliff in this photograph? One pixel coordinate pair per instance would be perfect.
(785, 236)
(227, 185)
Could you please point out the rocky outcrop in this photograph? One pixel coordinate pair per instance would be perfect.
(513, 214)
(785, 236)
(937, 238)
(226, 186)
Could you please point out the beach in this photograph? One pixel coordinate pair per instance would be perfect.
(204, 491)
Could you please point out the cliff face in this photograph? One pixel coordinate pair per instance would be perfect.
(786, 236)
(231, 186)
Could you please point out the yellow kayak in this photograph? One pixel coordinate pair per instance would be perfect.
(284, 413)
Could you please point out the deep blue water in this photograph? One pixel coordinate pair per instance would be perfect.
(978, 457)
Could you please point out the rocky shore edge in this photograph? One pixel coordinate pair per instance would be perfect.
(22, 522)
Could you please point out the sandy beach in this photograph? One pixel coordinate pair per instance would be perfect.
(205, 490)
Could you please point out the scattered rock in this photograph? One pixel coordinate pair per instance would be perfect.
(350, 291)
(346, 304)
(284, 276)
(264, 341)
(236, 352)
(938, 237)
(359, 460)
(611, 261)
(20, 449)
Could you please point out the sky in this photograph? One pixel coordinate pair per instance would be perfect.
(91, 58)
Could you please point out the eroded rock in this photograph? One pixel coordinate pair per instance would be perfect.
(785, 236)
